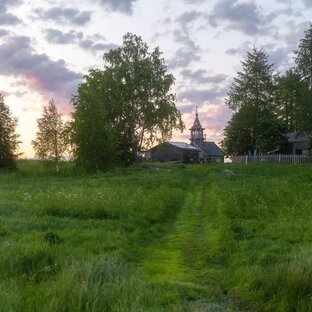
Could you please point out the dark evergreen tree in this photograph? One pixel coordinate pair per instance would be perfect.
(288, 97)
(303, 58)
(254, 126)
(9, 139)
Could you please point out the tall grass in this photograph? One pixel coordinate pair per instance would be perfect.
(263, 224)
(156, 238)
(102, 221)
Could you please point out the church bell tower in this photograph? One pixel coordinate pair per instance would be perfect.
(197, 133)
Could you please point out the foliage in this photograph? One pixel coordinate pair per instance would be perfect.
(9, 139)
(125, 107)
(254, 127)
(303, 58)
(51, 141)
(289, 96)
(248, 130)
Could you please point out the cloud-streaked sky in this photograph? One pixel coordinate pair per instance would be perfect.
(46, 47)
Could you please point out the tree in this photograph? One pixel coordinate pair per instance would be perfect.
(288, 97)
(243, 135)
(132, 101)
(51, 141)
(303, 58)
(254, 127)
(9, 139)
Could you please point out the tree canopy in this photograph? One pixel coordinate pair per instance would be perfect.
(303, 58)
(254, 126)
(9, 139)
(125, 107)
(51, 141)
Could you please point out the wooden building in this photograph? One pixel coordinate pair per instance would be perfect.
(199, 150)
(173, 151)
(297, 144)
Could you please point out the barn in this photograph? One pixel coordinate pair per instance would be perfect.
(199, 150)
(173, 151)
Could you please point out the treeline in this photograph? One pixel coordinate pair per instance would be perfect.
(267, 105)
(118, 111)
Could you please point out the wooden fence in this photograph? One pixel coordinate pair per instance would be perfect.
(281, 159)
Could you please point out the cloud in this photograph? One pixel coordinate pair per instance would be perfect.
(3, 32)
(7, 18)
(201, 76)
(88, 43)
(241, 49)
(189, 17)
(198, 97)
(243, 16)
(44, 75)
(123, 6)
(307, 3)
(65, 15)
(59, 37)
(188, 53)
(193, 1)
(183, 57)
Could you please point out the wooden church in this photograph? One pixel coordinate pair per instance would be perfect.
(199, 150)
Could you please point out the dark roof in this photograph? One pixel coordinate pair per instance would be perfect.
(180, 145)
(183, 145)
(293, 137)
(211, 148)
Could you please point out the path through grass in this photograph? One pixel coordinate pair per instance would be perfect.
(177, 260)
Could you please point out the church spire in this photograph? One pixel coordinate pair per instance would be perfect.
(197, 131)
(196, 124)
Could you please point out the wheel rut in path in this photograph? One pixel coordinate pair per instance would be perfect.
(177, 259)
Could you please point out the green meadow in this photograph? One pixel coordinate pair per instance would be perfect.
(158, 237)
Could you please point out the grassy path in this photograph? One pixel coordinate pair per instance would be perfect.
(179, 260)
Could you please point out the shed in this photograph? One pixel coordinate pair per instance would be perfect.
(174, 151)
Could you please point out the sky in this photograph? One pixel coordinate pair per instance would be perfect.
(47, 47)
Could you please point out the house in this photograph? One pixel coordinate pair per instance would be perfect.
(297, 144)
(173, 151)
(199, 150)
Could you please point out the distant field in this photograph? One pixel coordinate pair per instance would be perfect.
(156, 238)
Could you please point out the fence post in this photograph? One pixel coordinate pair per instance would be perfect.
(246, 159)
(279, 158)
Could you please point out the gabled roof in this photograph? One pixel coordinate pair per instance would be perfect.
(211, 148)
(295, 137)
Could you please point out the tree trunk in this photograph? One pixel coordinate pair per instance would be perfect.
(134, 147)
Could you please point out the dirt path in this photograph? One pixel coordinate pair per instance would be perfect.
(179, 258)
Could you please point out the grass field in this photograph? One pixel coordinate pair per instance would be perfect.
(156, 238)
